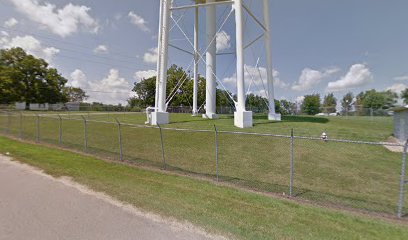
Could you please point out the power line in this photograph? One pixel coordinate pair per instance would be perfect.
(61, 41)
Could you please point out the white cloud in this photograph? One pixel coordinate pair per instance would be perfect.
(397, 87)
(101, 49)
(138, 21)
(61, 21)
(223, 41)
(401, 78)
(10, 23)
(310, 78)
(140, 75)
(79, 79)
(277, 81)
(257, 78)
(151, 56)
(112, 89)
(358, 75)
(299, 99)
(118, 16)
(31, 45)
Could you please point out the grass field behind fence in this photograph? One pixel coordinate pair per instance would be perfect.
(351, 175)
(217, 209)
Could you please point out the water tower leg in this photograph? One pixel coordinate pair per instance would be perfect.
(242, 118)
(196, 59)
(272, 115)
(211, 70)
(160, 116)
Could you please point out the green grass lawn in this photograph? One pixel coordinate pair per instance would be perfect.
(217, 209)
(355, 128)
(351, 127)
(357, 176)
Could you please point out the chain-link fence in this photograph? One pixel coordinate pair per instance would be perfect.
(345, 174)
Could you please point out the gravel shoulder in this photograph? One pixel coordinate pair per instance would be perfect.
(34, 205)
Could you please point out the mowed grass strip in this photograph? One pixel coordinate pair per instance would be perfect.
(217, 209)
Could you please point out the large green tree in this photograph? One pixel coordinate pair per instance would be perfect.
(179, 96)
(257, 103)
(74, 94)
(404, 95)
(329, 103)
(287, 107)
(347, 102)
(26, 78)
(311, 104)
(376, 100)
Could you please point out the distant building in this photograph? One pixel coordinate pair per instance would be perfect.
(39, 106)
(20, 105)
(72, 106)
(56, 107)
(401, 123)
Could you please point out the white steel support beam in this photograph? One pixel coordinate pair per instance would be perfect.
(253, 17)
(196, 60)
(253, 41)
(242, 118)
(211, 66)
(201, 5)
(156, 99)
(160, 116)
(267, 36)
(180, 49)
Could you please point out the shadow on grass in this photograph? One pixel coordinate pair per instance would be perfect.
(288, 119)
(193, 119)
(324, 199)
(307, 119)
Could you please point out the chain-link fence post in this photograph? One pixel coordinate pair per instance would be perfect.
(85, 133)
(120, 139)
(216, 152)
(21, 125)
(292, 162)
(402, 181)
(38, 127)
(162, 147)
(60, 130)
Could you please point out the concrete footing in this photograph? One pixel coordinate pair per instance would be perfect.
(274, 117)
(210, 116)
(243, 119)
(159, 118)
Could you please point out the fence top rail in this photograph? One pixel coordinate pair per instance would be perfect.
(350, 141)
(59, 116)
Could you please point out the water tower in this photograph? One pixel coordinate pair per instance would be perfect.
(242, 117)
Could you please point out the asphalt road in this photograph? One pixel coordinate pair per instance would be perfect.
(36, 206)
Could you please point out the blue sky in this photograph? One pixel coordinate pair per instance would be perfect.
(319, 46)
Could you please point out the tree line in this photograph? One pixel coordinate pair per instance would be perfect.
(25, 78)
(370, 99)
